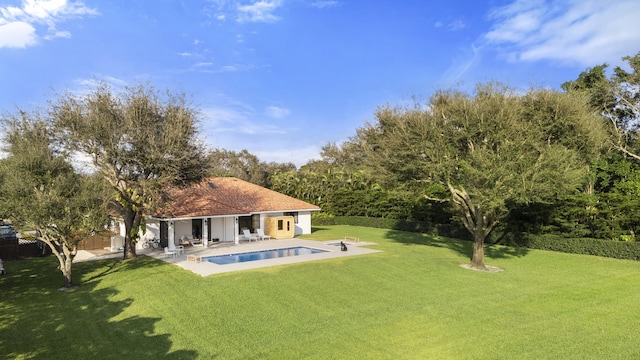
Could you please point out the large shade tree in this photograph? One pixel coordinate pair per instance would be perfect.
(486, 150)
(40, 190)
(617, 98)
(140, 141)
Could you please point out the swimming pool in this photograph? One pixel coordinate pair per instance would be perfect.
(261, 255)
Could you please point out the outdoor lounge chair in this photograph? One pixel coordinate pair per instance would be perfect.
(189, 240)
(168, 252)
(247, 235)
(184, 240)
(262, 236)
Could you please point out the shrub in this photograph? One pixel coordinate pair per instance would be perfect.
(585, 246)
(322, 218)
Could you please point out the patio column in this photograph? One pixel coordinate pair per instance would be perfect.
(205, 233)
(171, 236)
(236, 239)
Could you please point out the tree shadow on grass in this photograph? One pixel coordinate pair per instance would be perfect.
(116, 265)
(40, 322)
(317, 228)
(463, 247)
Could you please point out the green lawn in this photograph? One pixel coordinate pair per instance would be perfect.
(411, 301)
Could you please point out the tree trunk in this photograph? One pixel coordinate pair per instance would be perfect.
(477, 259)
(476, 221)
(66, 271)
(65, 257)
(130, 227)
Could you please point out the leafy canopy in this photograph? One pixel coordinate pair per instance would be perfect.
(140, 141)
(41, 190)
(488, 149)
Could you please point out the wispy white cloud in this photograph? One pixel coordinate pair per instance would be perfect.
(582, 33)
(259, 11)
(296, 155)
(451, 25)
(276, 112)
(210, 67)
(325, 4)
(226, 118)
(20, 25)
(456, 25)
(84, 86)
(237, 119)
(233, 125)
(253, 11)
(207, 67)
(460, 65)
(203, 64)
(229, 115)
(57, 34)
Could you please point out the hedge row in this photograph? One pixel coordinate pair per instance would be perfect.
(585, 246)
(382, 223)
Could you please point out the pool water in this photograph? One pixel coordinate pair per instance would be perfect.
(261, 255)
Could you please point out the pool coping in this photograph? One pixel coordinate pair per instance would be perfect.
(206, 268)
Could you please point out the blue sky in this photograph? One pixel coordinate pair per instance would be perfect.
(282, 78)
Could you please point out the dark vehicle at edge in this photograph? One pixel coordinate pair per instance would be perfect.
(8, 234)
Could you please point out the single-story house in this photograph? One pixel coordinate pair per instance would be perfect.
(218, 209)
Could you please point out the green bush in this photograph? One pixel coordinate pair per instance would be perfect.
(383, 223)
(450, 230)
(322, 218)
(585, 246)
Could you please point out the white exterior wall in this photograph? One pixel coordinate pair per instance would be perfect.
(181, 228)
(217, 229)
(223, 228)
(152, 230)
(230, 228)
(304, 223)
(121, 226)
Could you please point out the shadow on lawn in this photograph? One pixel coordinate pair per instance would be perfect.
(463, 247)
(316, 228)
(40, 322)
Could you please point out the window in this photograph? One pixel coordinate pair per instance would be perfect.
(280, 224)
(249, 222)
(294, 214)
(244, 222)
(255, 222)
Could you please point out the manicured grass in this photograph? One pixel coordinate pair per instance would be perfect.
(411, 301)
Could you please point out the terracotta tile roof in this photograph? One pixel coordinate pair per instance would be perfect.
(228, 196)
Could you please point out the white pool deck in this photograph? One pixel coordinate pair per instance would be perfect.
(206, 268)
